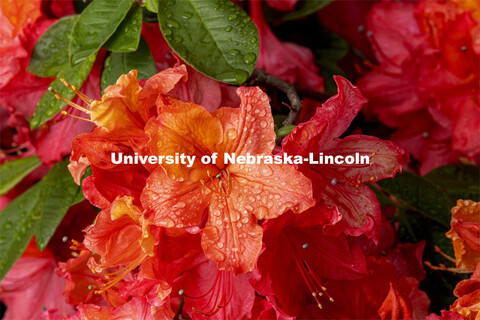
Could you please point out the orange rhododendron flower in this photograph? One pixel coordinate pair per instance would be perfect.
(121, 236)
(465, 234)
(236, 195)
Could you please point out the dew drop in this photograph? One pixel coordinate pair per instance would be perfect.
(333, 181)
(173, 24)
(228, 28)
(234, 52)
(231, 134)
(249, 58)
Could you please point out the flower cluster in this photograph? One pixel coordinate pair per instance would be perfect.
(428, 73)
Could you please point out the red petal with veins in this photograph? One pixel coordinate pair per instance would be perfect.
(395, 306)
(268, 190)
(213, 294)
(231, 237)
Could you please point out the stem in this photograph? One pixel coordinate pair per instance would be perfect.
(260, 78)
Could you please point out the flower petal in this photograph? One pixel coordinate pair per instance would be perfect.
(118, 107)
(358, 207)
(231, 238)
(248, 128)
(395, 306)
(385, 157)
(171, 203)
(269, 190)
(187, 128)
(161, 83)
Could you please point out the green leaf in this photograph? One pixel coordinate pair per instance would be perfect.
(421, 195)
(50, 54)
(58, 193)
(48, 105)
(151, 5)
(306, 7)
(126, 38)
(284, 131)
(215, 37)
(382, 198)
(13, 172)
(458, 181)
(17, 225)
(96, 24)
(332, 49)
(119, 63)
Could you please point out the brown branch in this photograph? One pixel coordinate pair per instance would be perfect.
(260, 78)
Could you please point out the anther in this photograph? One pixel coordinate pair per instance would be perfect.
(73, 104)
(64, 239)
(180, 292)
(71, 115)
(333, 181)
(218, 176)
(72, 87)
(90, 287)
(319, 306)
(331, 299)
(305, 246)
(463, 48)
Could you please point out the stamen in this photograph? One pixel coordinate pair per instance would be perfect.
(446, 256)
(218, 176)
(444, 268)
(70, 103)
(82, 96)
(71, 115)
(129, 268)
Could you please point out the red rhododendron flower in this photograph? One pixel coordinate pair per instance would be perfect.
(297, 249)
(428, 73)
(236, 195)
(342, 186)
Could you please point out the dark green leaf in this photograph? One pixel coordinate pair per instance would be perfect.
(152, 5)
(284, 131)
(215, 37)
(306, 7)
(48, 105)
(96, 24)
(50, 54)
(331, 50)
(59, 192)
(458, 181)
(17, 225)
(119, 63)
(13, 172)
(382, 198)
(420, 194)
(126, 38)
(80, 197)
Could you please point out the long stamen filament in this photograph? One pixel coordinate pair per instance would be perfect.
(82, 96)
(70, 103)
(73, 116)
